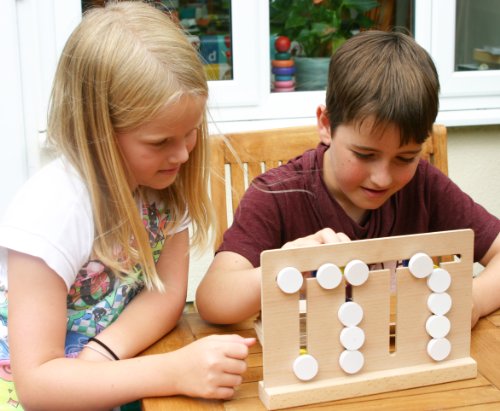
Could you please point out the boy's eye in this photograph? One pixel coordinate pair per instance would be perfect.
(363, 156)
(407, 160)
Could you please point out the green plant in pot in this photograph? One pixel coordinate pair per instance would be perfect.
(319, 27)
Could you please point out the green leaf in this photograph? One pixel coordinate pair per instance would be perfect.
(361, 5)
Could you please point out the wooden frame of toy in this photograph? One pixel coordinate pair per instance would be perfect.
(365, 329)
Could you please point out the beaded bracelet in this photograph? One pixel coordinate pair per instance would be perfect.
(109, 350)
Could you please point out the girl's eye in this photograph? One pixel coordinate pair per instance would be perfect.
(193, 133)
(161, 143)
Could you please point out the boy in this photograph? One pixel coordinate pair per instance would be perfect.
(364, 180)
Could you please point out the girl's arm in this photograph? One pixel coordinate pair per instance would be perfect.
(486, 286)
(152, 314)
(210, 367)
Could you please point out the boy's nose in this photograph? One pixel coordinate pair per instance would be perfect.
(381, 176)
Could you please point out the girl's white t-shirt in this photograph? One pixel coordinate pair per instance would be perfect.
(51, 218)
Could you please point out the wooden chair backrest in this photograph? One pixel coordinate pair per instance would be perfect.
(236, 159)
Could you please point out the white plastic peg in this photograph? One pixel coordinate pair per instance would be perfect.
(289, 280)
(439, 303)
(420, 265)
(352, 338)
(437, 326)
(439, 281)
(439, 348)
(350, 314)
(351, 361)
(305, 367)
(329, 276)
(356, 272)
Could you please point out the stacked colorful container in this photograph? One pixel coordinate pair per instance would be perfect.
(283, 67)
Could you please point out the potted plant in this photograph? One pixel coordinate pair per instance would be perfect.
(317, 28)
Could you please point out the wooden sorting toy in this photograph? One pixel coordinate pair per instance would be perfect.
(354, 329)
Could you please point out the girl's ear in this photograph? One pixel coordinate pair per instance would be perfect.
(323, 125)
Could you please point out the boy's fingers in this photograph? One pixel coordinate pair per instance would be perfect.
(343, 238)
(327, 236)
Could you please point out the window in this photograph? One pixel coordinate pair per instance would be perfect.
(450, 30)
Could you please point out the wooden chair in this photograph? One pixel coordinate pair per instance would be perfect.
(236, 159)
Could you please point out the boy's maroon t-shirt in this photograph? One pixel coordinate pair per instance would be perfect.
(292, 201)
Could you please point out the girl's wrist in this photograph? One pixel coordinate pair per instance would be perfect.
(90, 353)
(96, 350)
(103, 348)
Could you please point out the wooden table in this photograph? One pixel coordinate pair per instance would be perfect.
(480, 393)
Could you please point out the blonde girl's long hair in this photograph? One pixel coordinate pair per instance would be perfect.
(119, 68)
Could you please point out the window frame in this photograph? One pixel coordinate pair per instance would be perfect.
(467, 97)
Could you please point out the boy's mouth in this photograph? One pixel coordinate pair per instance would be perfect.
(375, 193)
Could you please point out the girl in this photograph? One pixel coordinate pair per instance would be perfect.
(95, 245)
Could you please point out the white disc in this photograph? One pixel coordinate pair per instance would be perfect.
(329, 276)
(420, 265)
(439, 303)
(439, 281)
(352, 338)
(305, 367)
(356, 272)
(438, 348)
(289, 280)
(351, 361)
(438, 326)
(350, 314)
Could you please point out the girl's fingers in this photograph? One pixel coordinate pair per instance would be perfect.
(235, 367)
(235, 346)
(223, 393)
(230, 380)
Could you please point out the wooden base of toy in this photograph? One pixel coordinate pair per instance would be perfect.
(365, 384)
(394, 320)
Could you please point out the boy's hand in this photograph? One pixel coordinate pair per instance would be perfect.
(475, 316)
(211, 367)
(324, 236)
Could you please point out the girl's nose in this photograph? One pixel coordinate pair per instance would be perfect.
(180, 154)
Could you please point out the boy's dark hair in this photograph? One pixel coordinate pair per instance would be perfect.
(386, 75)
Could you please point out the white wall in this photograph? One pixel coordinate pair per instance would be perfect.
(13, 157)
(474, 163)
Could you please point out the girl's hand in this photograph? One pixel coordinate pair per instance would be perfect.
(212, 366)
(324, 236)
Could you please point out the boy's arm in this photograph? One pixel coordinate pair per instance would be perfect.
(486, 286)
(230, 290)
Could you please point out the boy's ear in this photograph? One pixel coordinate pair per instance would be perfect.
(323, 124)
